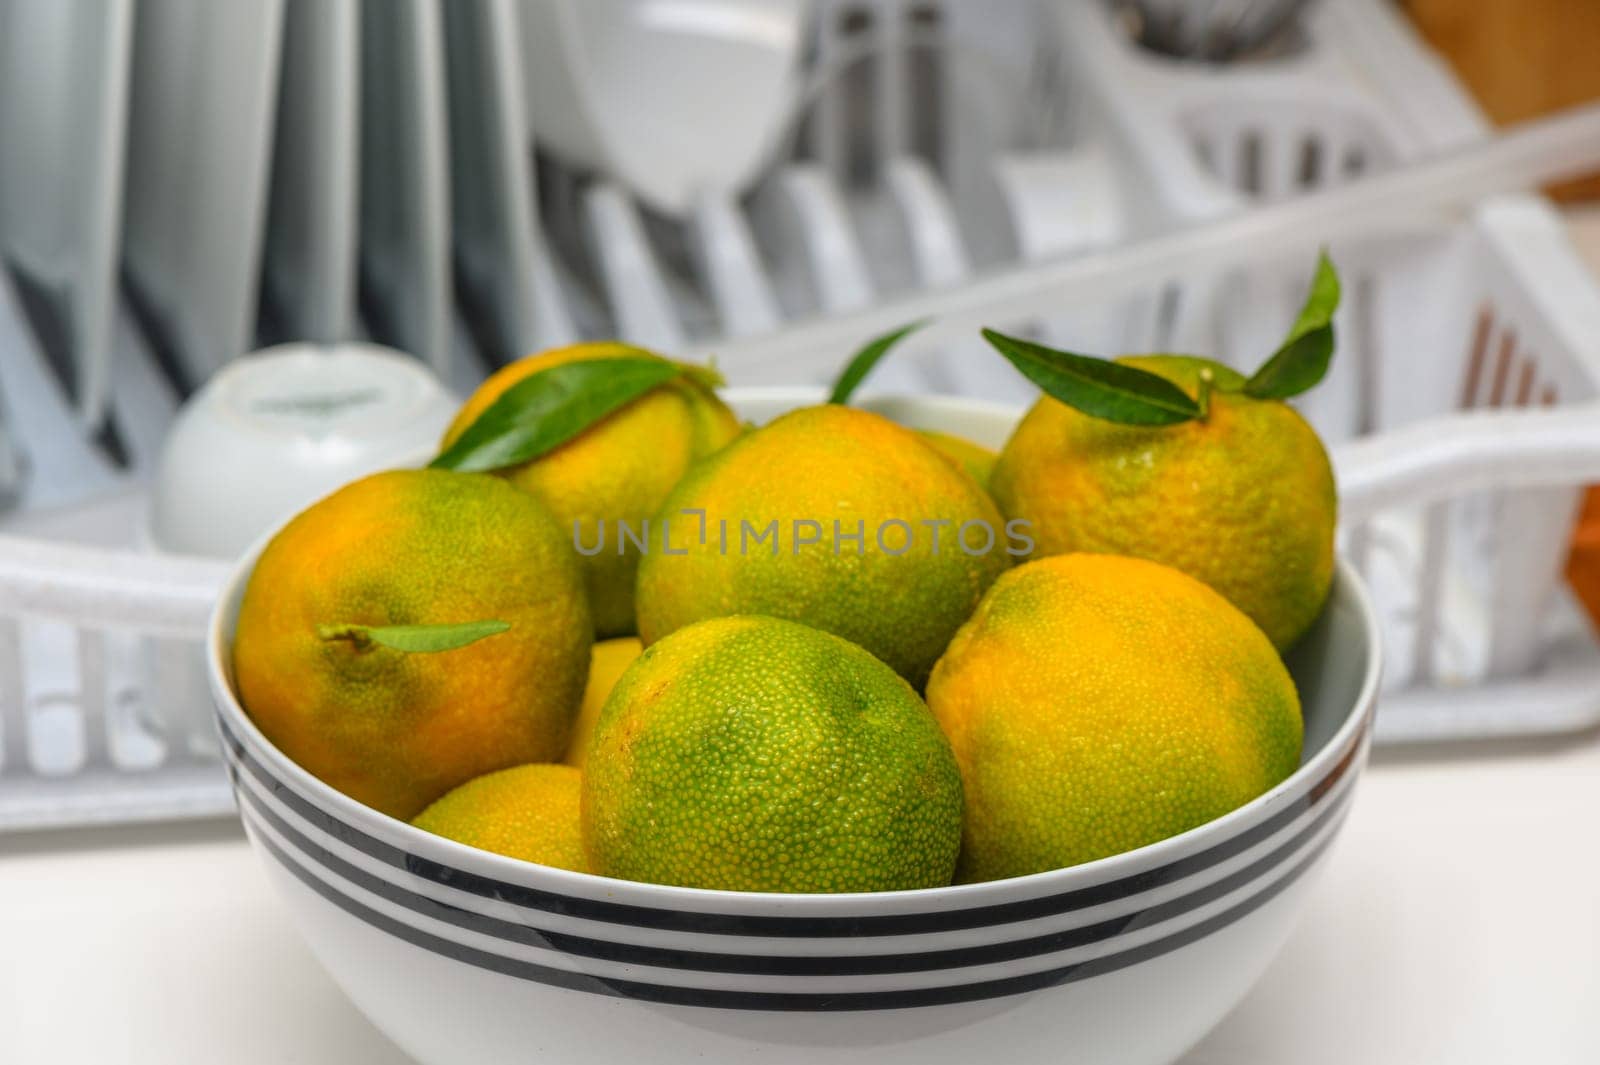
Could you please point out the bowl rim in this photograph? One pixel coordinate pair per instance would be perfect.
(232, 718)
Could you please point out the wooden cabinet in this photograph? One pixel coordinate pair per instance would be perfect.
(1521, 58)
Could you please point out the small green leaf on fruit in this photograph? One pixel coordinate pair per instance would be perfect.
(707, 377)
(414, 639)
(546, 409)
(862, 362)
(1100, 388)
(1302, 360)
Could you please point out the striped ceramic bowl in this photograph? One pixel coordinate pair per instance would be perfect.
(464, 956)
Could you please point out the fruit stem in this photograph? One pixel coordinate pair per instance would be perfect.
(1208, 381)
(359, 636)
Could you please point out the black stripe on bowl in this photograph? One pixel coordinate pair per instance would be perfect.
(780, 964)
(781, 1000)
(853, 926)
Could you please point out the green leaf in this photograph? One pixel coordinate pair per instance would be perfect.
(1302, 360)
(546, 409)
(862, 362)
(707, 377)
(414, 639)
(1098, 387)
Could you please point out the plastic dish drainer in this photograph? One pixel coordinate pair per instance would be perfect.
(1459, 406)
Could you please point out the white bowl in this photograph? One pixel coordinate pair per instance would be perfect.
(464, 956)
(274, 431)
(673, 98)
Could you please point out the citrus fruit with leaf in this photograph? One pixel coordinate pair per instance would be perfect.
(1184, 461)
(527, 811)
(1098, 703)
(411, 631)
(598, 432)
(606, 664)
(976, 460)
(755, 754)
(831, 516)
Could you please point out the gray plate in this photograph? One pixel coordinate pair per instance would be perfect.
(497, 244)
(309, 262)
(63, 102)
(205, 78)
(405, 179)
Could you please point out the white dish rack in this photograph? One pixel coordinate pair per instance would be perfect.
(1458, 518)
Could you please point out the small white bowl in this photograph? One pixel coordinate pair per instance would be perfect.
(464, 956)
(276, 430)
(671, 98)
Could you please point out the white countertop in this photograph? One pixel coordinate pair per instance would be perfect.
(1458, 922)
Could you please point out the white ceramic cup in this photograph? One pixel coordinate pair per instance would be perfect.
(673, 98)
(276, 430)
